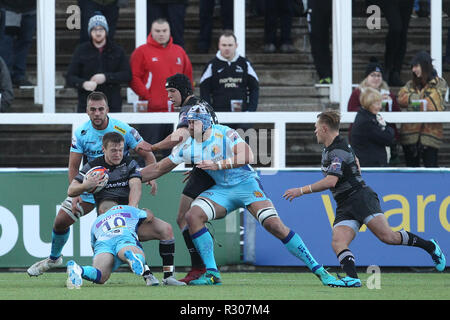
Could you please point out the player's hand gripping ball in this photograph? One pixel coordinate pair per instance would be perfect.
(100, 173)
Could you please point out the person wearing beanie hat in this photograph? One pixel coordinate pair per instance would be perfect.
(98, 20)
(424, 92)
(99, 65)
(373, 66)
(109, 9)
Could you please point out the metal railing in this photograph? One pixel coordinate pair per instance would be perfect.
(278, 119)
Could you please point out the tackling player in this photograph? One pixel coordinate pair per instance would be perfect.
(357, 203)
(87, 144)
(114, 241)
(221, 152)
(179, 91)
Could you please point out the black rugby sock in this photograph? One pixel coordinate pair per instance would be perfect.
(412, 240)
(347, 261)
(196, 260)
(167, 253)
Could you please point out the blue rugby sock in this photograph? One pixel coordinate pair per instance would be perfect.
(59, 239)
(295, 245)
(91, 274)
(205, 246)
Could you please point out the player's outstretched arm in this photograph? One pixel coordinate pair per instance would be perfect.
(172, 139)
(326, 183)
(156, 170)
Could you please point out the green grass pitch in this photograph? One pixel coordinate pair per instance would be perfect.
(236, 286)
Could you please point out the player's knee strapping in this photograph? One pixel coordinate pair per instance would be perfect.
(266, 213)
(206, 206)
(66, 205)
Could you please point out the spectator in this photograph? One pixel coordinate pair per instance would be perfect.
(99, 65)
(278, 11)
(6, 89)
(398, 14)
(319, 24)
(229, 82)
(370, 134)
(424, 92)
(108, 8)
(17, 28)
(374, 79)
(151, 64)
(206, 21)
(174, 11)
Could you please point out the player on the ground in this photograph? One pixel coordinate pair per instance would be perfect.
(357, 203)
(124, 187)
(221, 152)
(114, 241)
(87, 143)
(179, 91)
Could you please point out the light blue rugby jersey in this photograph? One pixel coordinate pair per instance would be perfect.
(118, 220)
(219, 146)
(88, 140)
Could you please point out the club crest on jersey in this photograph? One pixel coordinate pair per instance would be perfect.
(215, 150)
(335, 164)
(258, 194)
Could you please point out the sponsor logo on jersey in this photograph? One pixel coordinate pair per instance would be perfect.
(122, 131)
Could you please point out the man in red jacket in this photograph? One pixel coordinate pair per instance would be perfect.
(151, 64)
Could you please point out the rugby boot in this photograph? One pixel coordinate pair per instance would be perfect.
(346, 282)
(324, 276)
(44, 265)
(195, 273)
(74, 279)
(136, 264)
(171, 281)
(208, 278)
(438, 257)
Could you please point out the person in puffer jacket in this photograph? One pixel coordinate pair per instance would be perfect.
(425, 92)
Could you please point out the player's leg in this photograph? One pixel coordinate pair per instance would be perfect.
(381, 229)
(202, 210)
(343, 235)
(266, 214)
(161, 230)
(198, 182)
(60, 234)
(197, 265)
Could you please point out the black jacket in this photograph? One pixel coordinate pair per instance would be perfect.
(224, 81)
(87, 61)
(369, 139)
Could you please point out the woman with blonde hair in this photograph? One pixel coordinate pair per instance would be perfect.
(370, 134)
(374, 78)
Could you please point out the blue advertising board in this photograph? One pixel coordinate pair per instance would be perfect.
(415, 200)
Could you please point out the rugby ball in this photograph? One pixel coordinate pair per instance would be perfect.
(98, 171)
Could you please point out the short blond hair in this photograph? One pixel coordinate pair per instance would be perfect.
(368, 97)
